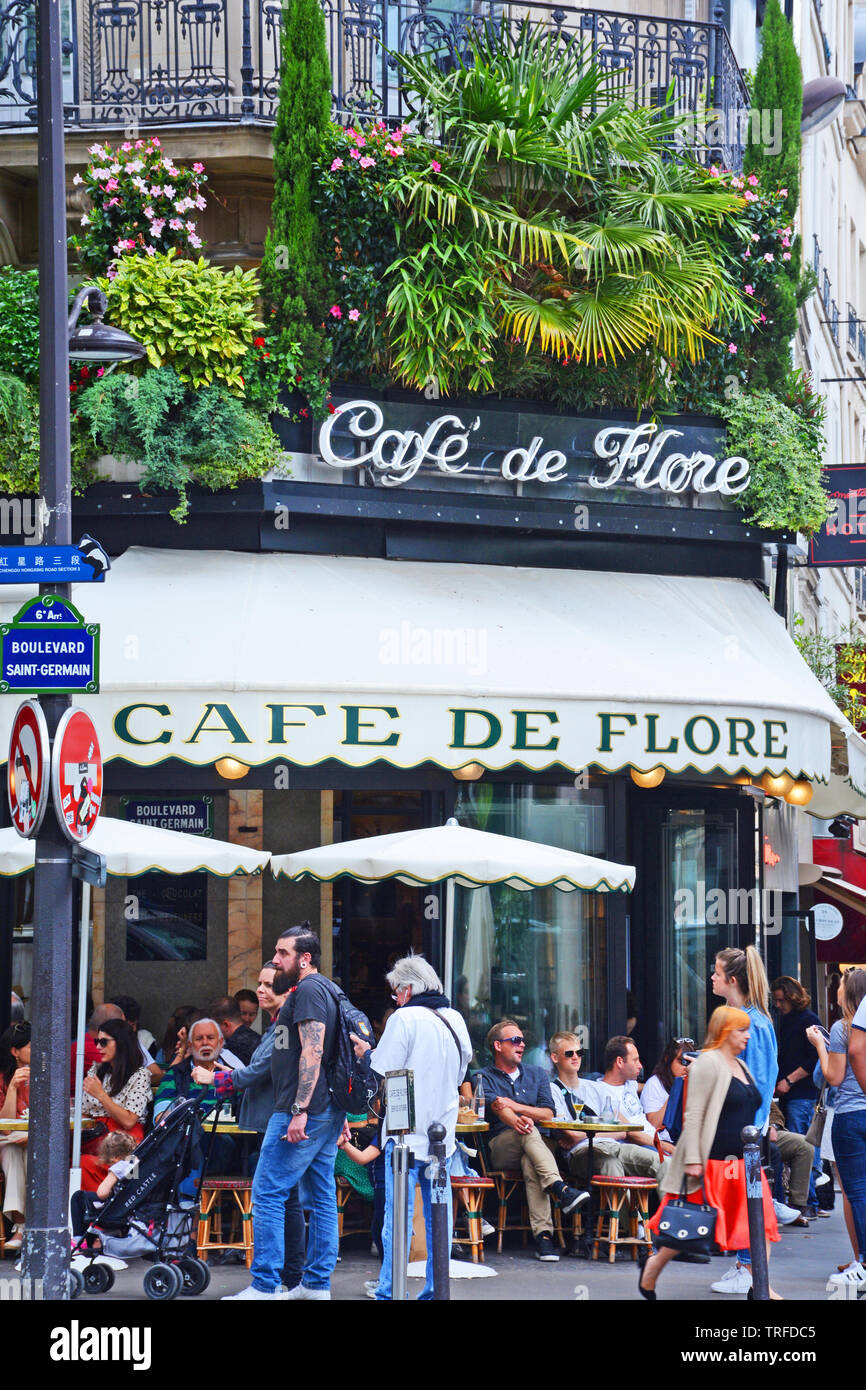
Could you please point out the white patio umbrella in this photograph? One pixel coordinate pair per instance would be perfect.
(129, 850)
(461, 855)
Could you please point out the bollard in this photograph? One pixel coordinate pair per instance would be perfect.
(760, 1290)
(440, 1197)
(399, 1274)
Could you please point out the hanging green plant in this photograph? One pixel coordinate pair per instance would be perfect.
(784, 449)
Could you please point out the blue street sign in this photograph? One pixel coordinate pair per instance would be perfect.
(48, 648)
(85, 563)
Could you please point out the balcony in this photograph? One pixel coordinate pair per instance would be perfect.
(133, 64)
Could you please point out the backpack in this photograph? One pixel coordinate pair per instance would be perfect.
(675, 1109)
(350, 1081)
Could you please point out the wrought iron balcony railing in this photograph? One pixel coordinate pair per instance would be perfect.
(132, 63)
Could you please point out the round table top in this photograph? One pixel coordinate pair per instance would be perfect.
(589, 1126)
(471, 1127)
(228, 1127)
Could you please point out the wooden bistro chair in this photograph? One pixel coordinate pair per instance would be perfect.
(210, 1231)
(623, 1203)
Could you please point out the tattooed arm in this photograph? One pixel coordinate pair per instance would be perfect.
(312, 1037)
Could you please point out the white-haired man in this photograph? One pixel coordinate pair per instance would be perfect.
(426, 1036)
(204, 1051)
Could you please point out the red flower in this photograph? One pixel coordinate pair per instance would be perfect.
(304, 411)
(332, 409)
(85, 372)
(73, 385)
(258, 342)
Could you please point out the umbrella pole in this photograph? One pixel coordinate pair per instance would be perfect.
(449, 933)
(83, 966)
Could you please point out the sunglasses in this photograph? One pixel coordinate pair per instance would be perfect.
(575, 1052)
(103, 1042)
(684, 1042)
(516, 1042)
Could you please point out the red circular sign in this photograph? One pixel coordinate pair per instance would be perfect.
(27, 769)
(76, 774)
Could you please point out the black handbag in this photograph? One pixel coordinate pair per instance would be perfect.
(686, 1226)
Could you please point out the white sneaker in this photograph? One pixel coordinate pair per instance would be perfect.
(370, 1287)
(250, 1293)
(487, 1229)
(784, 1213)
(825, 1177)
(300, 1291)
(854, 1274)
(737, 1280)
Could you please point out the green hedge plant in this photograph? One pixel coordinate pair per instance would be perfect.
(191, 316)
(785, 489)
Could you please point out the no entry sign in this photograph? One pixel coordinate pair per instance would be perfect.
(27, 769)
(76, 774)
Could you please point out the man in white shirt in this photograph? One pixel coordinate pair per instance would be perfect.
(569, 1094)
(426, 1036)
(616, 1097)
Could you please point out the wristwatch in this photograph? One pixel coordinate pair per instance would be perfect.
(298, 1109)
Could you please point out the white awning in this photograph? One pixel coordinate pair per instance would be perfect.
(265, 657)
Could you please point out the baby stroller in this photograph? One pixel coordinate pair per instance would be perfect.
(146, 1215)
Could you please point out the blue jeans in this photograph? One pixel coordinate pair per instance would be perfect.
(849, 1150)
(309, 1165)
(416, 1179)
(799, 1114)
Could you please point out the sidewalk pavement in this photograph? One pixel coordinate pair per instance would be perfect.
(799, 1268)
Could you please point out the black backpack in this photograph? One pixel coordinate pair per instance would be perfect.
(351, 1083)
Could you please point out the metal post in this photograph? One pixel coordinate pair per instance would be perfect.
(46, 1243)
(400, 1225)
(760, 1290)
(440, 1195)
(83, 975)
(247, 107)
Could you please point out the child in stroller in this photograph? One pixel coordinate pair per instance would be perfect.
(138, 1210)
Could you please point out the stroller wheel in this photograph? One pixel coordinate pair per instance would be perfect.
(162, 1282)
(194, 1273)
(76, 1283)
(98, 1278)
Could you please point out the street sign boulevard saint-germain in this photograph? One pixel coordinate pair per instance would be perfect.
(49, 649)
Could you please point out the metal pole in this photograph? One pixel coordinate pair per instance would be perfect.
(760, 1290)
(400, 1225)
(440, 1195)
(46, 1242)
(449, 935)
(83, 971)
(247, 107)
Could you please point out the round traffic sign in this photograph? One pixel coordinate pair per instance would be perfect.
(76, 774)
(27, 769)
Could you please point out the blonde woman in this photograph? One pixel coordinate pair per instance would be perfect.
(708, 1160)
(849, 1121)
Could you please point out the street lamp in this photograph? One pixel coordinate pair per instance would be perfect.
(98, 341)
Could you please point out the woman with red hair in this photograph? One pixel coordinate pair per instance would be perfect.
(722, 1099)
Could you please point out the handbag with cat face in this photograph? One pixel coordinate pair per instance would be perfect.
(687, 1227)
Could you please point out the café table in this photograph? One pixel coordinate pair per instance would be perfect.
(590, 1128)
(23, 1126)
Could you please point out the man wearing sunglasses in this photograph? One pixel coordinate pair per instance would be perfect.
(569, 1094)
(519, 1097)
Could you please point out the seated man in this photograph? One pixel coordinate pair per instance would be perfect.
(517, 1096)
(205, 1052)
(569, 1094)
(249, 1007)
(634, 1155)
(798, 1155)
(242, 1040)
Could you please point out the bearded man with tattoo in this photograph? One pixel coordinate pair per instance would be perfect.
(300, 1142)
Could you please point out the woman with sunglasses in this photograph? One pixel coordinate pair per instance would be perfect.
(14, 1103)
(655, 1094)
(117, 1091)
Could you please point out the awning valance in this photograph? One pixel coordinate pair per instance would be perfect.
(263, 657)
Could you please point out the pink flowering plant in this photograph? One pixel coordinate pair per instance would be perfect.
(141, 203)
(356, 168)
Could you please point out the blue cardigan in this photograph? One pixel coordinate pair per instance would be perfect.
(762, 1058)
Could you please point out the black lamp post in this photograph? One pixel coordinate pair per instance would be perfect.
(46, 1242)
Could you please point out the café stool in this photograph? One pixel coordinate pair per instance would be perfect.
(210, 1216)
(345, 1193)
(474, 1190)
(622, 1199)
(507, 1181)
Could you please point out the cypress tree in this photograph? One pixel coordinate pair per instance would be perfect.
(777, 95)
(293, 271)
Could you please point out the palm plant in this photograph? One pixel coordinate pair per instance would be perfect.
(553, 216)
